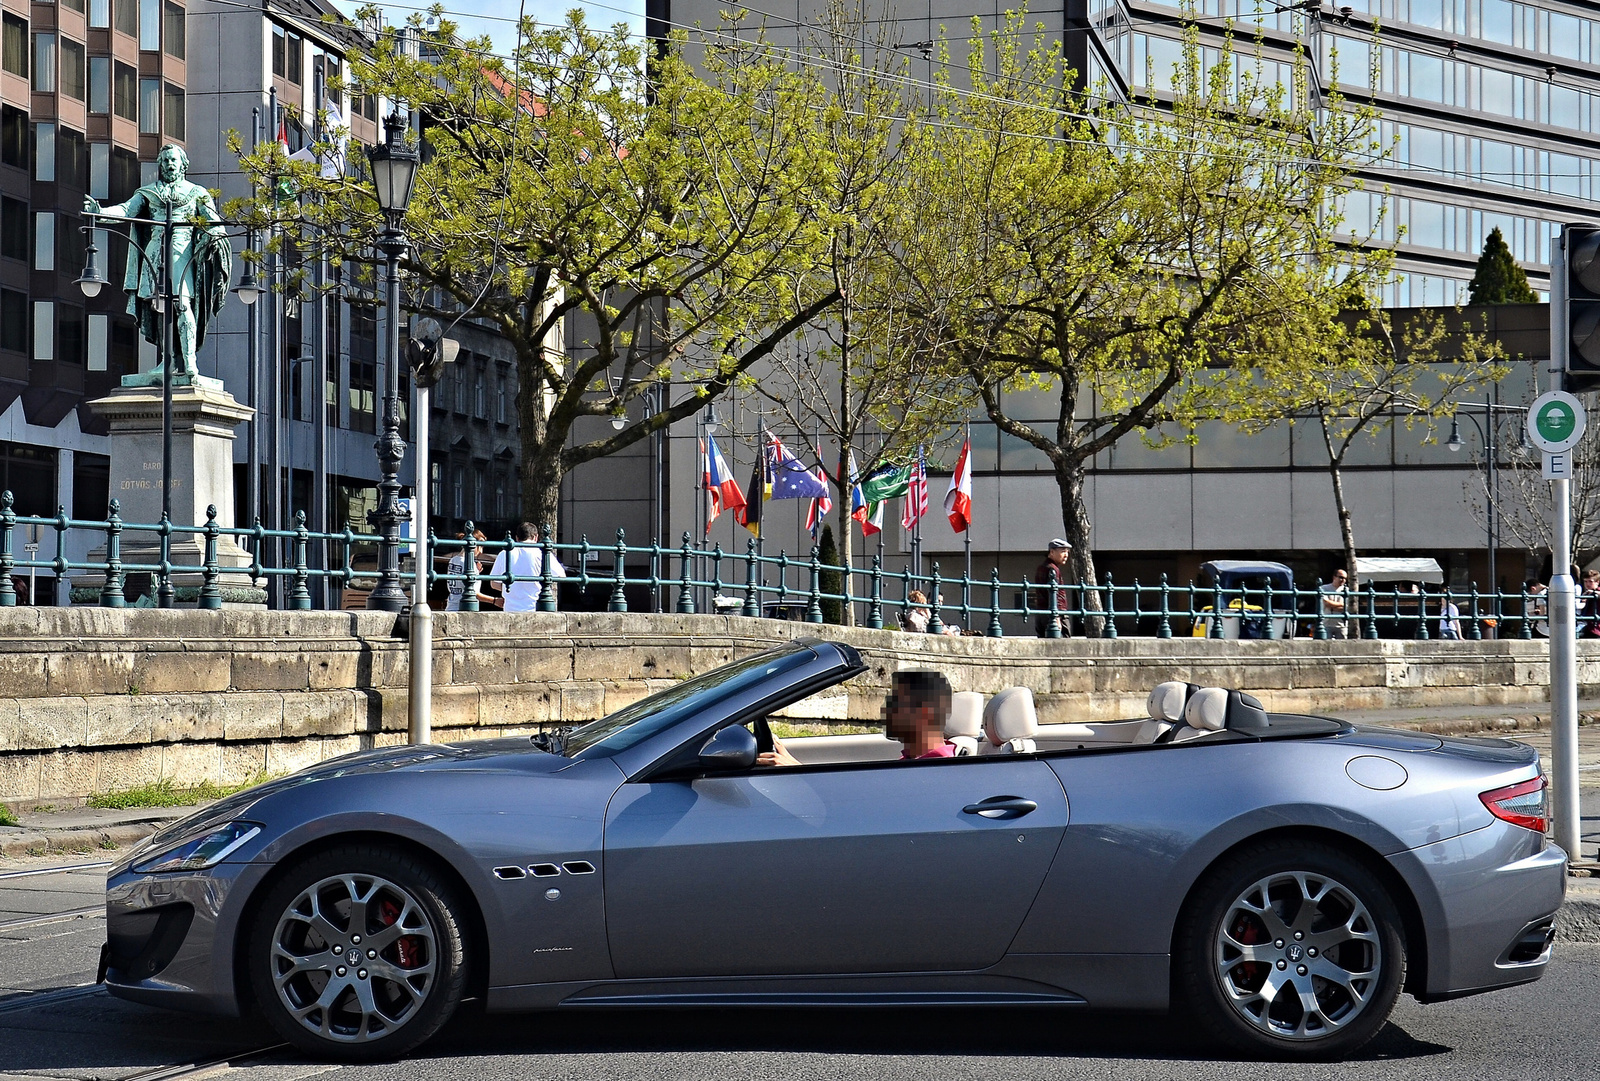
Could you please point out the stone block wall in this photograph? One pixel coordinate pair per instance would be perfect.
(93, 700)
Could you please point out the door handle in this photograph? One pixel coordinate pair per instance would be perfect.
(1001, 807)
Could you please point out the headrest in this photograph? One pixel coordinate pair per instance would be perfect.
(1207, 709)
(1166, 702)
(966, 715)
(1010, 716)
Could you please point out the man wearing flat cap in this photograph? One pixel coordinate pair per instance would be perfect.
(1055, 560)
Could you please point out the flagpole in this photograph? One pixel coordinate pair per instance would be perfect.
(966, 579)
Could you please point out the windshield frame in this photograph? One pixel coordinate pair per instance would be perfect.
(640, 722)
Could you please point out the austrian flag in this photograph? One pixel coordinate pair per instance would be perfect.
(958, 500)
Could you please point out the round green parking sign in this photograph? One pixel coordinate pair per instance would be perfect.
(1555, 421)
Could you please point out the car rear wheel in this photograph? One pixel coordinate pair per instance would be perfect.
(358, 953)
(1291, 950)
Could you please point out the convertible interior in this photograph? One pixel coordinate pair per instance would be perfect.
(1008, 723)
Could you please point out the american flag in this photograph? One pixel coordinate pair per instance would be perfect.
(916, 503)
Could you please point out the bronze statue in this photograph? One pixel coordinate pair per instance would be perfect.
(201, 260)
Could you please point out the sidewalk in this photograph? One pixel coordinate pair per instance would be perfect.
(81, 830)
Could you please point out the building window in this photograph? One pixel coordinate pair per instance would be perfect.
(435, 483)
(175, 112)
(150, 25)
(127, 16)
(363, 392)
(124, 174)
(75, 5)
(480, 486)
(296, 53)
(125, 96)
(458, 382)
(44, 152)
(72, 247)
(331, 87)
(149, 106)
(458, 491)
(44, 63)
(500, 495)
(175, 39)
(70, 334)
(29, 474)
(99, 335)
(99, 14)
(279, 51)
(72, 69)
(13, 137)
(124, 348)
(44, 330)
(13, 321)
(100, 171)
(502, 394)
(44, 240)
(14, 44)
(99, 84)
(73, 169)
(480, 393)
(13, 228)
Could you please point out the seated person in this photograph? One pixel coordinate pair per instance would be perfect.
(914, 713)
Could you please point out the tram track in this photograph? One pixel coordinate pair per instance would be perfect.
(35, 872)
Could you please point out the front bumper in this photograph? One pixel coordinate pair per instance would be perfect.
(171, 938)
(1491, 893)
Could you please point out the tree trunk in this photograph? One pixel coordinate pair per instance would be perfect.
(1075, 519)
(847, 550)
(541, 488)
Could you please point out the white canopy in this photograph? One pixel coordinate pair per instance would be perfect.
(1398, 569)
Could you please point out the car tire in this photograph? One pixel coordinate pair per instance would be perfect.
(1276, 921)
(358, 953)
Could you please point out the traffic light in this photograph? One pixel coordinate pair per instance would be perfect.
(1581, 319)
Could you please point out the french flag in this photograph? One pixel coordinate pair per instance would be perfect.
(958, 500)
(721, 488)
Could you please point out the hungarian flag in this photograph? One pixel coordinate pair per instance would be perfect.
(958, 500)
(916, 502)
(749, 515)
(721, 488)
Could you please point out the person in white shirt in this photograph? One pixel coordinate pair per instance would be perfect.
(527, 570)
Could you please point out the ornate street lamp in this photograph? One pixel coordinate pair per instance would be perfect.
(394, 171)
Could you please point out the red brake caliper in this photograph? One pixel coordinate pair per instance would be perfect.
(1247, 933)
(407, 948)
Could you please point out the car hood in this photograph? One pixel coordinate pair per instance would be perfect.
(512, 753)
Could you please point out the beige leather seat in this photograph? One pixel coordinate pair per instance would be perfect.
(964, 728)
(1010, 722)
(1204, 713)
(1165, 706)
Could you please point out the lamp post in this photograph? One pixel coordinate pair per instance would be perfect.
(1488, 432)
(394, 170)
(165, 301)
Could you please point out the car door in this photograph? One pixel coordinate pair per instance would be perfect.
(883, 867)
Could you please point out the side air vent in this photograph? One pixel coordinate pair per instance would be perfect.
(510, 874)
(578, 867)
(544, 870)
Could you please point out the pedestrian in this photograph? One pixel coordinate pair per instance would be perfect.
(915, 616)
(1449, 619)
(1334, 606)
(527, 570)
(1055, 563)
(1588, 604)
(456, 570)
(1537, 607)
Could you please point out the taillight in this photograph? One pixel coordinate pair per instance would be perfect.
(1521, 804)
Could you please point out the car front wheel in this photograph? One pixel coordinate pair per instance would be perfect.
(358, 953)
(1291, 950)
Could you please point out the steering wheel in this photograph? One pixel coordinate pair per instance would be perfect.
(763, 731)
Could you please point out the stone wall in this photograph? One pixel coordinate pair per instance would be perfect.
(93, 700)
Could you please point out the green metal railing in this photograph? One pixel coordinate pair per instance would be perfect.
(691, 578)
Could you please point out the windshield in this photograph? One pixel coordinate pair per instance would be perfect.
(662, 710)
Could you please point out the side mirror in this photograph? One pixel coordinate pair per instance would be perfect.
(732, 748)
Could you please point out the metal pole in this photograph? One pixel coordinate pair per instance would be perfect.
(387, 595)
(1492, 423)
(272, 557)
(319, 419)
(420, 704)
(1563, 615)
(253, 365)
(169, 327)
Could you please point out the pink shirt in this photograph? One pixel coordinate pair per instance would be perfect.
(944, 750)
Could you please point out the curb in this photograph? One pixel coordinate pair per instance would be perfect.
(16, 842)
(1578, 919)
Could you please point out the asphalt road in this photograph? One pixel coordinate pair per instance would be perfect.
(1544, 1030)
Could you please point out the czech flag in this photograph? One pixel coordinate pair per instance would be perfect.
(721, 488)
(958, 500)
(858, 500)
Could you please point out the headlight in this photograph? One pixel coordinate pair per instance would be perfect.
(199, 851)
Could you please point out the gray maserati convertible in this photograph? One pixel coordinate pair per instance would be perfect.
(1279, 879)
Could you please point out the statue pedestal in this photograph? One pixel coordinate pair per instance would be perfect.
(203, 420)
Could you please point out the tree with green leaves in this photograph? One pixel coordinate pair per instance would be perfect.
(830, 580)
(1135, 262)
(1498, 279)
(620, 220)
(1368, 375)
